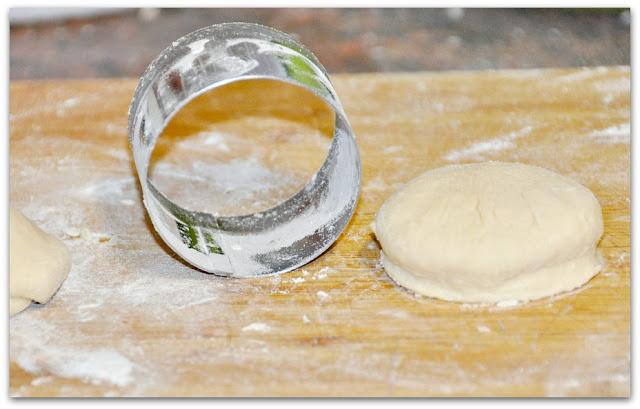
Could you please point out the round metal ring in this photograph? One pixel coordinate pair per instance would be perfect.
(279, 239)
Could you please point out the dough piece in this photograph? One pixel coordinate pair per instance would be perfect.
(490, 232)
(38, 263)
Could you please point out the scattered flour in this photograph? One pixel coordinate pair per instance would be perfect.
(202, 141)
(471, 306)
(66, 104)
(216, 139)
(622, 257)
(72, 232)
(608, 99)
(616, 134)
(615, 86)
(239, 186)
(42, 380)
(31, 349)
(399, 314)
(322, 274)
(257, 327)
(477, 150)
(483, 329)
(392, 149)
(376, 184)
(197, 302)
(322, 295)
(114, 129)
(507, 303)
(581, 75)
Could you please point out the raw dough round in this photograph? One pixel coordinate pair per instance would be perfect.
(38, 263)
(489, 232)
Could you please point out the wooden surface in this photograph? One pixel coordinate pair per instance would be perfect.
(133, 320)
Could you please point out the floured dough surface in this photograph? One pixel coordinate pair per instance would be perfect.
(490, 232)
(38, 263)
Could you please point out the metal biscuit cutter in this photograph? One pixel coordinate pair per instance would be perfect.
(279, 239)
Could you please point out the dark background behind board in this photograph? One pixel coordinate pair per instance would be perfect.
(123, 42)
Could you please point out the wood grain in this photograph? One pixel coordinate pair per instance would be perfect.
(338, 326)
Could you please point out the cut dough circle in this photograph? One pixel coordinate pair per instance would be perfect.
(38, 263)
(490, 232)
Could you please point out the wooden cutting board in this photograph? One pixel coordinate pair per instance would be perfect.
(132, 319)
